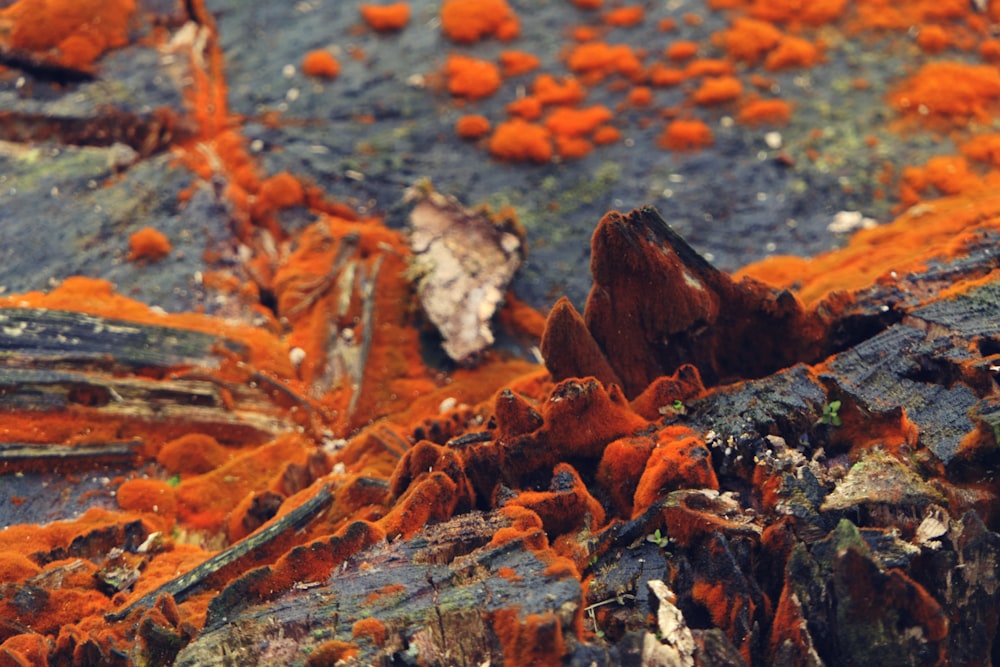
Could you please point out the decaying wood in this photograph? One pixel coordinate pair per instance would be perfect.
(438, 591)
(185, 584)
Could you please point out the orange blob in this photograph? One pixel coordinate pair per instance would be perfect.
(681, 50)
(686, 135)
(748, 39)
(953, 91)
(386, 18)
(606, 134)
(602, 59)
(983, 148)
(761, 112)
(148, 244)
(466, 21)
(320, 64)
(572, 148)
(717, 90)
(662, 76)
(548, 90)
(14, 566)
(640, 96)
(72, 33)
(812, 12)
(792, 52)
(471, 78)
(708, 67)
(472, 126)
(514, 63)
(933, 38)
(528, 108)
(194, 453)
(625, 17)
(370, 628)
(569, 122)
(519, 140)
(281, 191)
(588, 4)
(149, 496)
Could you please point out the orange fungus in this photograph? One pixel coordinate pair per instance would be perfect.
(387, 18)
(686, 135)
(519, 140)
(472, 126)
(148, 244)
(320, 64)
(471, 78)
(466, 21)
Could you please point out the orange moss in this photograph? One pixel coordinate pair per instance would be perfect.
(281, 191)
(567, 507)
(606, 134)
(472, 126)
(515, 63)
(149, 496)
(471, 78)
(677, 462)
(194, 453)
(662, 76)
(761, 112)
(948, 173)
(686, 135)
(989, 50)
(508, 573)
(620, 468)
(933, 38)
(205, 500)
(708, 67)
(748, 39)
(332, 652)
(148, 244)
(600, 59)
(536, 639)
(572, 148)
(588, 4)
(983, 148)
(681, 50)
(548, 90)
(466, 21)
(812, 12)
(15, 566)
(569, 122)
(386, 18)
(526, 108)
(640, 96)
(940, 230)
(72, 33)
(371, 629)
(320, 64)
(624, 17)
(954, 91)
(792, 52)
(518, 140)
(718, 90)
(30, 649)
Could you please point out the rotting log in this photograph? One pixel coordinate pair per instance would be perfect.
(867, 471)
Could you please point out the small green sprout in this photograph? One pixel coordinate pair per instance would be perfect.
(175, 481)
(831, 414)
(658, 539)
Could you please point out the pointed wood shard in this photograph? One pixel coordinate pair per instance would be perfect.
(657, 304)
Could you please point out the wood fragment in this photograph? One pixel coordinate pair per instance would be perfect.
(189, 582)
